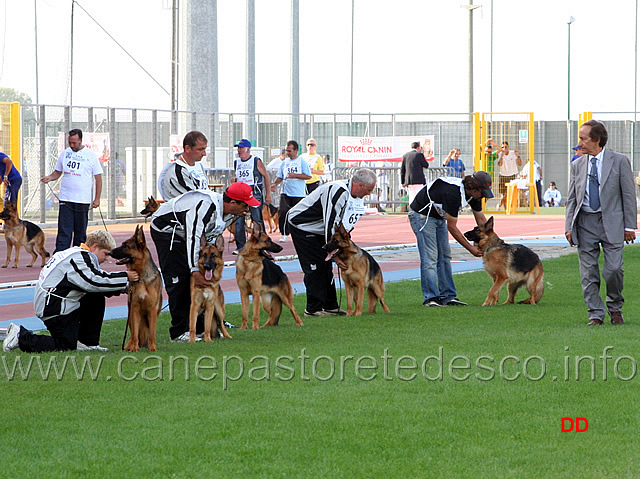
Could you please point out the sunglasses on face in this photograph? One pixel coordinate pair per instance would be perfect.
(310, 144)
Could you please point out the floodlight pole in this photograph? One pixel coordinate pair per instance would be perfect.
(571, 20)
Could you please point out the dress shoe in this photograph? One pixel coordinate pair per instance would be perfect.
(595, 322)
(616, 317)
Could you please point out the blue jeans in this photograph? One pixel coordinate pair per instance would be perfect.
(436, 276)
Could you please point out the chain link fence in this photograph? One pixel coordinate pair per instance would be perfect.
(139, 143)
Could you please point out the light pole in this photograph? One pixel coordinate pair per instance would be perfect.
(571, 20)
(471, 7)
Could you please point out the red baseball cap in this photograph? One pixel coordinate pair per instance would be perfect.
(242, 192)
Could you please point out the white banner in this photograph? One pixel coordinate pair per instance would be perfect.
(381, 148)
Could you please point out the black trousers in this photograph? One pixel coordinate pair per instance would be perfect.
(312, 186)
(286, 203)
(177, 281)
(84, 325)
(318, 273)
(72, 225)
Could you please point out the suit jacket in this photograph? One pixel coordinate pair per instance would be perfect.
(617, 195)
(411, 172)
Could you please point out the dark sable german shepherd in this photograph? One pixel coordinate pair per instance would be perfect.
(362, 272)
(512, 263)
(259, 276)
(210, 298)
(150, 207)
(19, 233)
(145, 295)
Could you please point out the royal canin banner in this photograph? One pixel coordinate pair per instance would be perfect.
(382, 148)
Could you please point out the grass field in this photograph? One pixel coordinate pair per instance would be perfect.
(347, 397)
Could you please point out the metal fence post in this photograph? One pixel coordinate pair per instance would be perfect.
(43, 164)
(154, 151)
(134, 161)
(111, 197)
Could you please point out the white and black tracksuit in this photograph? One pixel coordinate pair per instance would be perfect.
(176, 229)
(178, 177)
(311, 223)
(69, 298)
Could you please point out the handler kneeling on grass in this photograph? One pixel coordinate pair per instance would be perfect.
(69, 298)
(433, 214)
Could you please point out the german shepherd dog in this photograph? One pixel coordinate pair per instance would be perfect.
(210, 298)
(258, 275)
(362, 272)
(145, 295)
(19, 233)
(512, 263)
(150, 207)
(270, 217)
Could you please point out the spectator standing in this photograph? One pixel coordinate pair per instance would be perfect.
(70, 299)
(552, 197)
(578, 152)
(433, 215)
(11, 179)
(316, 165)
(537, 178)
(176, 229)
(312, 222)
(274, 165)
(328, 169)
(601, 213)
(186, 172)
(454, 163)
(293, 173)
(412, 170)
(509, 163)
(492, 158)
(250, 169)
(78, 167)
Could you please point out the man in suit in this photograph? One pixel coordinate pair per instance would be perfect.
(601, 212)
(411, 170)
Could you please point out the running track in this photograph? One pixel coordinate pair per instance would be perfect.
(372, 231)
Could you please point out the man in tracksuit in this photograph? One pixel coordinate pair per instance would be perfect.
(70, 299)
(176, 229)
(311, 223)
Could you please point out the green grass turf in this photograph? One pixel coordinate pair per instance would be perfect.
(369, 423)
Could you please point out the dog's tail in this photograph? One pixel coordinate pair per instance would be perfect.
(535, 285)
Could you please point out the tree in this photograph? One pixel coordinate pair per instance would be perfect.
(9, 94)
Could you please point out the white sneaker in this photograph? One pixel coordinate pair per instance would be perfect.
(284, 238)
(235, 252)
(184, 338)
(11, 341)
(83, 347)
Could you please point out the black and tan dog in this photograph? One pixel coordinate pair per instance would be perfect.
(362, 272)
(210, 298)
(512, 263)
(145, 295)
(18, 233)
(150, 207)
(270, 216)
(258, 275)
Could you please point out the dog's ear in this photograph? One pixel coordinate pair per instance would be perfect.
(203, 241)
(489, 224)
(220, 243)
(256, 229)
(140, 238)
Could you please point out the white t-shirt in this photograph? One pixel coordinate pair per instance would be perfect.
(78, 169)
(509, 164)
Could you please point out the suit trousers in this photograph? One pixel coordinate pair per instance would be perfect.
(591, 236)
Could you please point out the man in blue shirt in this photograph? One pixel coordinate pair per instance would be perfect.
(292, 174)
(454, 163)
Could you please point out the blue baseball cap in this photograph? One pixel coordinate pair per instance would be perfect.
(244, 143)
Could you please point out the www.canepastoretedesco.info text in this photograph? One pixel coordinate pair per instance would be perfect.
(385, 366)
